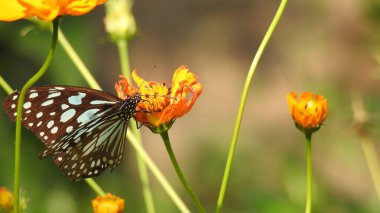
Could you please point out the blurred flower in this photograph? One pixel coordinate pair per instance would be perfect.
(6, 199)
(161, 105)
(309, 112)
(108, 204)
(45, 9)
(119, 20)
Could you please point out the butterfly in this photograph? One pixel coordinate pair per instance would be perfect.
(82, 129)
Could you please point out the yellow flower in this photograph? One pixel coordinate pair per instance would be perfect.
(108, 204)
(6, 199)
(309, 112)
(47, 10)
(161, 105)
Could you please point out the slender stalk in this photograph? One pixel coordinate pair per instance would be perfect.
(157, 173)
(27, 85)
(165, 138)
(242, 103)
(5, 85)
(308, 173)
(122, 46)
(77, 61)
(94, 186)
(372, 161)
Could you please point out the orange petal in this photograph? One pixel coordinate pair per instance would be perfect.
(11, 10)
(43, 9)
(78, 7)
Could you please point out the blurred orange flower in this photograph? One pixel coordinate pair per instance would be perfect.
(6, 199)
(309, 112)
(108, 204)
(161, 105)
(45, 9)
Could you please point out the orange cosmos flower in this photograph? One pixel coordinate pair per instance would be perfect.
(6, 200)
(108, 204)
(11, 10)
(309, 112)
(161, 105)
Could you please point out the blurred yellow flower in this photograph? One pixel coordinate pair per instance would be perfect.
(309, 112)
(11, 10)
(161, 106)
(6, 199)
(108, 204)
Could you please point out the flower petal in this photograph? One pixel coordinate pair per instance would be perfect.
(11, 10)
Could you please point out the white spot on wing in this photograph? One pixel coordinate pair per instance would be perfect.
(77, 99)
(69, 129)
(54, 130)
(64, 106)
(13, 106)
(33, 95)
(87, 115)
(53, 95)
(27, 105)
(101, 102)
(39, 114)
(67, 115)
(47, 103)
(50, 124)
(14, 97)
(59, 88)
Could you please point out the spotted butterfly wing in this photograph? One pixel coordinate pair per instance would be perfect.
(82, 129)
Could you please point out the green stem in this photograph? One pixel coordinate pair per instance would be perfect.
(122, 46)
(77, 61)
(94, 186)
(27, 85)
(165, 138)
(372, 161)
(5, 85)
(242, 103)
(308, 171)
(156, 172)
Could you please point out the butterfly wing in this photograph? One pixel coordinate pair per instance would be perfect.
(92, 148)
(74, 123)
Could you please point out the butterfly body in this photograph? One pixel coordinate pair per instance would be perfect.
(82, 129)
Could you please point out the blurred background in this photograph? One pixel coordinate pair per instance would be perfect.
(327, 47)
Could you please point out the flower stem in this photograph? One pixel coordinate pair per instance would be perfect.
(157, 173)
(94, 186)
(77, 61)
(5, 86)
(308, 171)
(165, 138)
(122, 46)
(24, 89)
(242, 103)
(372, 161)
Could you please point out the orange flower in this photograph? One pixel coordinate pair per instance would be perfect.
(6, 199)
(108, 204)
(309, 112)
(161, 105)
(45, 9)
